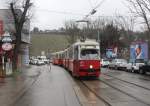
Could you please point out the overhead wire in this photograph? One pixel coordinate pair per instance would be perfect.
(60, 12)
(90, 3)
(71, 13)
(99, 4)
(93, 11)
(96, 2)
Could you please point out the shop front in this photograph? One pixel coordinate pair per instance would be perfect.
(6, 55)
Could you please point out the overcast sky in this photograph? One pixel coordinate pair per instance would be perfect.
(51, 14)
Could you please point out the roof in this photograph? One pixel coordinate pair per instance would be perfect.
(86, 42)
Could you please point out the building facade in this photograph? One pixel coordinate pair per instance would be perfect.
(7, 25)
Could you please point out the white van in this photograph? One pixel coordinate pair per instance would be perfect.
(44, 59)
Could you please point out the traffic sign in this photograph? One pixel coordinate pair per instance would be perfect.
(6, 39)
(7, 46)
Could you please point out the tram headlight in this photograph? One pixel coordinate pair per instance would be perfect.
(91, 67)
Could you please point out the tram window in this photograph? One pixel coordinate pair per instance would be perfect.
(70, 53)
(76, 53)
(56, 55)
(63, 55)
(60, 56)
(89, 54)
(66, 56)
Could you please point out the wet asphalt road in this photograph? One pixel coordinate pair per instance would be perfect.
(57, 88)
(113, 88)
(51, 89)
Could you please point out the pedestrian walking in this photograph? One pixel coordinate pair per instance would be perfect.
(50, 66)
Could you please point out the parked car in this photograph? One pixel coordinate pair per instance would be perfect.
(43, 58)
(137, 64)
(46, 61)
(144, 68)
(40, 62)
(121, 64)
(112, 64)
(104, 62)
(117, 63)
(129, 65)
(33, 61)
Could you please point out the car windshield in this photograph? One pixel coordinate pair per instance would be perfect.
(90, 54)
(122, 61)
(105, 60)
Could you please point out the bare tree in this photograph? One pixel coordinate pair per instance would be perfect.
(141, 8)
(108, 33)
(126, 25)
(20, 10)
(125, 22)
(72, 31)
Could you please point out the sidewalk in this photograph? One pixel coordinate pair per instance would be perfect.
(11, 88)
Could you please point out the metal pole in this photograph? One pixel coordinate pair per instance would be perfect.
(3, 67)
(98, 35)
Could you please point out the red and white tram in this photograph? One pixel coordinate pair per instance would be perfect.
(57, 58)
(82, 58)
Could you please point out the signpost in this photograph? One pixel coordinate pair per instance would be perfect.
(7, 40)
(7, 46)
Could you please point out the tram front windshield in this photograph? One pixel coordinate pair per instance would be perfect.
(90, 54)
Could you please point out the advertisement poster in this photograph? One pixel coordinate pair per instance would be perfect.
(111, 53)
(139, 50)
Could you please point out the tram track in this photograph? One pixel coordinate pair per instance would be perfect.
(130, 95)
(105, 97)
(127, 81)
(144, 92)
(107, 102)
(99, 97)
(80, 84)
(115, 88)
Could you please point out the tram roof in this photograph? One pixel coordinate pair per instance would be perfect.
(57, 52)
(86, 42)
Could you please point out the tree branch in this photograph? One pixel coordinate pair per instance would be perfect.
(14, 14)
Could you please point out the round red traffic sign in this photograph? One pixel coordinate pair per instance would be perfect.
(7, 46)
